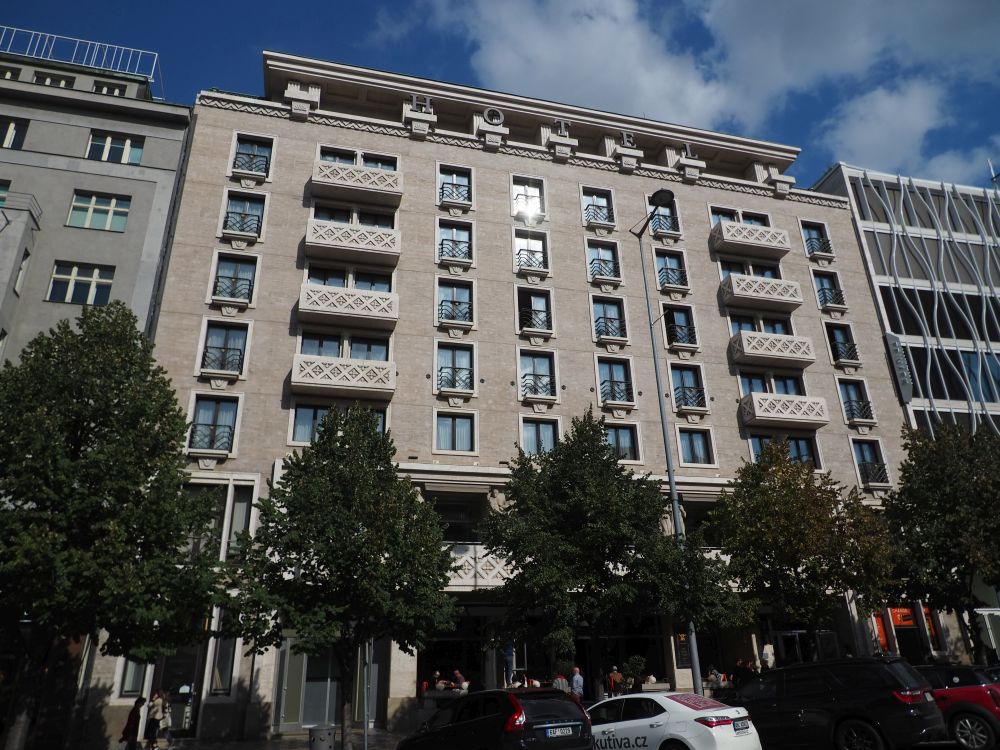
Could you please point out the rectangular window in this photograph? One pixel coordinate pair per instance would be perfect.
(538, 436)
(51, 79)
(120, 149)
(372, 349)
(376, 219)
(253, 155)
(336, 214)
(854, 397)
(22, 270)
(348, 156)
(665, 220)
(109, 89)
(214, 424)
(670, 270)
(239, 517)
(454, 185)
(597, 207)
(133, 679)
(320, 344)
(454, 367)
(679, 323)
(327, 276)
(455, 432)
(531, 250)
(8, 73)
(753, 383)
(225, 346)
(624, 441)
(80, 283)
(788, 385)
(378, 161)
(338, 155)
(223, 660)
(871, 465)
(802, 450)
(529, 198)
(534, 309)
(454, 300)
(609, 318)
(743, 217)
(696, 447)
(757, 444)
(602, 260)
(828, 290)
(538, 374)
(4, 189)
(842, 346)
(93, 211)
(720, 215)
(244, 214)
(454, 241)
(815, 239)
(371, 281)
(234, 278)
(780, 326)
(689, 392)
(305, 426)
(614, 377)
(3, 344)
(12, 132)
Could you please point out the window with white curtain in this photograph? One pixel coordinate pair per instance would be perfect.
(455, 432)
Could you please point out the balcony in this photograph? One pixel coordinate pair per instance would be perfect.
(455, 314)
(354, 307)
(820, 249)
(759, 293)
(535, 322)
(211, 439)
(232, 290)
(831, 300)
(348, 378)
(615, 392)
(663, 226)
(536, 387)
(456, 253)
(859, 412)
(682, 338)
(873, 473)
(749, 239)
(533, 264)
(783, 410)
(690, 400)
(251, 166)
(673, 279)
(456, 379)
(241, 227)
(332, 241)
(222, 362)
(610, 330)
(529, 207)
(597, 215)
(845, 353)
(475, 568)
(753, 348)
(331, 179)
(605, 271)
(455, 195)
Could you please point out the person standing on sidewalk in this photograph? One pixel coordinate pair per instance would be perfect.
(576, 685)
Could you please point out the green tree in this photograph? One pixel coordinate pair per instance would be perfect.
(586, 540)
(345, 552)
(94, 512)
(944, 518)
(795, 539)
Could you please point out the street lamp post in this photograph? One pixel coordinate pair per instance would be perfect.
(659, 199)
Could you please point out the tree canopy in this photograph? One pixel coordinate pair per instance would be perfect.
(94, 514)
(794, 538)
(345, 552)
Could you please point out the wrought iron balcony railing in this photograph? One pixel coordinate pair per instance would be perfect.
(533, 260)
(211, 437)
(689, 397)
(455, 378)
(535, 384)
(455, 192)
(844, 351)
(612, 327)
(873, 472)
(831, 297)
(222, 359)
(538, 319)
(529, 204)
(257, 163)
(455, 310)
(237, 221)
(818, 245)
(673, 277)
(684, 335)
(604, 268)
(616, 390)
(598, 214)
(858, 410)
(663, 224)
(455, 249)
(233, 287)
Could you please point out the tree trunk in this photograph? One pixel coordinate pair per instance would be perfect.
(348, 666)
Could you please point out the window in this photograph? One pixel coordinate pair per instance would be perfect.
(80, 283)
(109, 89)
(320, 344)
(609, 318)
(223, 659)
(665, 220)
(133, 679)
(529, 198)
(695, 447)
(602, 260)
(854, 397)
(689, 392)
(828, 291)
(373, 281)
(537, 374)
(788, 385)
(641, 708)
(214, 424)
(225, 346)
(8, 73)
(679, 325)
(761, 324)
(51, 79)
(244, 214)
(615, 379)
(3, 343)
(93, 211)
(842, 346)
(815, 239)
(234, 278)
(371, 349)
(534, 309)
(365, 217)
(253, 155)
(802, 450)
(871, 465)
(12, 132)
(305, 426)
(721, 215)
(4, 189)
(22, 270)
(454, 368)
(454, 185)
(327, 276)
(454, 302)
(358, 158)
(757, 445)
(454, 241)
(747, 268)
(531, 250)
(670, 270)
(624, 441)
(597, 207)
(120, 149)
(606, 713)
(538, 435)
(455, 432)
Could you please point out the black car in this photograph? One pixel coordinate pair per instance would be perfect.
(506, 720)
(878, 703)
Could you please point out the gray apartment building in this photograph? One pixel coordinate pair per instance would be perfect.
(89, 161)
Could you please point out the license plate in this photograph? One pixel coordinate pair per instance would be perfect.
(559, 732)
(741, 725)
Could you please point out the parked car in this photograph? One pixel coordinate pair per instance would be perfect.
(970, 700)
(506, 720)
(674, 721)
(877, 703)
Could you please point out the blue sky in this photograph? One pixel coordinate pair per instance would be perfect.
(909, 86)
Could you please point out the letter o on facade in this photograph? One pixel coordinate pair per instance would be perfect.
(493, 116)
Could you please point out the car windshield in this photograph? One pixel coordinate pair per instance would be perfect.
(549, 707)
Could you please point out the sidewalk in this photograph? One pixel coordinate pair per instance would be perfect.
(378, 739)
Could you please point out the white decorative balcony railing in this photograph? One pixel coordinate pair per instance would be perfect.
(477, 569)
(751, 239)
(338, 376)
(352, 182)
(329, 239)
(331, 304)
(751, 347)
(776, 410)
(758, 292)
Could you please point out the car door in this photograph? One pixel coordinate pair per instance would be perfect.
(603, 718)
(806, 707)
(760, 697)
(641, 722)
(433, 731)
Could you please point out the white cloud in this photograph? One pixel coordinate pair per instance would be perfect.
(964, 167)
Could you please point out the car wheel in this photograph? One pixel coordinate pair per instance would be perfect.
(973, 732)
(854, 734)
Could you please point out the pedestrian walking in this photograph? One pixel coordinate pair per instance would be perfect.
(154, 716)
(576, 684)
(130, 732)
(615, 680)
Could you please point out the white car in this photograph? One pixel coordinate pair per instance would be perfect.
(671, 721)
